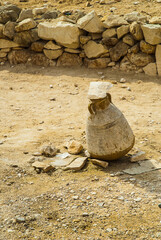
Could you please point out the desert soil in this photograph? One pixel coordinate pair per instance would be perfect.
(92, 203)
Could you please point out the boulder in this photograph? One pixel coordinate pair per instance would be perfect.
(109, 42)
(53, 54)
(114, 21)
(152, 33)
(94, 50)
(136, 31)
(118, 51)
(135, 17)
(37, 46)
(140, 59)
(91, 23)
(158, 58)
(111, 32)
(7, 44)
(25, 13)
(52, 46)
(25, 25)
(68, 60)
(84, 39)
(64, 33)
(121, 31)
(25, 38)
(97, 63)
(147, 48)
(9, 29)
(150, 69)
(128, 39)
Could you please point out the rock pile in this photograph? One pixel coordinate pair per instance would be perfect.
(73, 38)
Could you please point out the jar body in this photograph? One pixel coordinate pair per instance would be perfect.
(108, 133)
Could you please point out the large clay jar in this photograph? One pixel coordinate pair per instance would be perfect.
(109, 135)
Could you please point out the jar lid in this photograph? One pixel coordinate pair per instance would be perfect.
(98, 90)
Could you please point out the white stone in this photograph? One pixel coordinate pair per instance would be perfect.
(158, 59)
(98, 90)
(64, 33)
(91, 23)
(94, 50)
(77, 164)
(150, 69)
(152, 33)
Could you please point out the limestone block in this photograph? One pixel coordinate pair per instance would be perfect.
(111, 32)
(118, 51)
(71, 50)
(64, 33)
(135, 17)
(109, 42)
(25, 13)
(9, 29)
(97, 63)
(69, 59)
(25, 25)
(150, 69)
(37, 46)
(147, 48)
(121, 31)
(91, 23)
(140, 59)
(114, 21)
(152, 33)
(84, 39)
(52, 46)
(136, 31)
(7, 44)
(128, 39)
(158, 59)
(53, 54)
(39, 11)
(25, 38)
(94, 50)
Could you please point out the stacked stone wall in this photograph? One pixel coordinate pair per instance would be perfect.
(73, 38)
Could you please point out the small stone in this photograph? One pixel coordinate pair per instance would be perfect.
(138, 156)
(100, 163)
(49, 151)
(77, 164)
(159, 205)
(1, 142)
(85, 214)
(75, 197)
(20, 219)
(109, 230)
(122, 80)
(36, 154)
(75, 147)
(137, 199)
(42, 166)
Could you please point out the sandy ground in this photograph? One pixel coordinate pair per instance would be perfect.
(92, 203)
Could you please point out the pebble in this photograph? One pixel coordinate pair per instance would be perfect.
(137, 199)
(85, 214)
(20, 219)
(1, 142)
(138, 156)
(51, 86)
(122, 80)
(159, 205)
(49, 151)
(109, 230)
(75, 197)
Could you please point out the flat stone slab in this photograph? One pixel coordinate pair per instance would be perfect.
(62, 160)
(77, 164)
(144, 166)
(98, 90)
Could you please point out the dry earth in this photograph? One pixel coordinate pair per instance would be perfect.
(93, 203)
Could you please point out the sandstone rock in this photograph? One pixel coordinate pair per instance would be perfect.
(97, 63)
(91, 23)
(45, 167)
(71, 50)
(50, 14)
(150, 69)
(109, 42)
(99, 163)
(147, 48)
(25, 38)
(18, 56)
(136, 31)
(66, 34)
(68, 60)
(128, 39)
(118, 51)
(135, 17)
(7, 44)
(9, 29)
(139, 156)
(53, 54)
(152, 33)
(77, 164)
(94, 50)
(25, 25)
(114, 21)
(49, 151)
(37, 46)
(140, 59)
(158, 59)
(75, 147)
(155, 20)
(111, 32)
(121, 31)
(52, 46)
(84, 39)
(39, 11)
(25, 13)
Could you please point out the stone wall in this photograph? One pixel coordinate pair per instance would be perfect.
(73, 38)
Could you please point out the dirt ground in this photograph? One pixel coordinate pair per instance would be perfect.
(92, 203)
